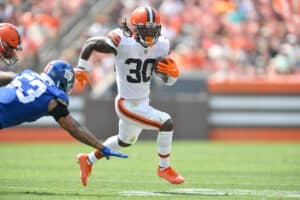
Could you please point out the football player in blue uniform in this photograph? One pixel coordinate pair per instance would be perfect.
(28, 96)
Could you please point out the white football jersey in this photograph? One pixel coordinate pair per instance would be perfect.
(134, 63)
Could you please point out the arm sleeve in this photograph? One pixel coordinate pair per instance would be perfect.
(98, 44)
(59, 111)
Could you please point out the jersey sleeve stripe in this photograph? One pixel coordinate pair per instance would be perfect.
(135, 117)
(110, 43)
(115, 38)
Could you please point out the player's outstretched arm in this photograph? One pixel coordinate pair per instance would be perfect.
(78, 131)
(6, 77)
(82, 134)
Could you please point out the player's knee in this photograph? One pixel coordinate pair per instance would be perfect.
(167, 126)
(122, 143)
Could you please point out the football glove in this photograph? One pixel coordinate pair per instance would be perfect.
(82, 77)
(167, 66)
(107, 152)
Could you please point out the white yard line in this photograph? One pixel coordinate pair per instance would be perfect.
(215, 192)
(142, 193)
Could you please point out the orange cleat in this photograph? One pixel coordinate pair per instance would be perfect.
(170, 175)
(85, 168)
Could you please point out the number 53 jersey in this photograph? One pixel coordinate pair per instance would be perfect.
(134, 63)
(26, 98)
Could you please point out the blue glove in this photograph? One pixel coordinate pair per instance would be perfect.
(107, 152)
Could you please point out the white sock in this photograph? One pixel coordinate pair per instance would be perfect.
(164, 142)
(92, 158)
(111, 142)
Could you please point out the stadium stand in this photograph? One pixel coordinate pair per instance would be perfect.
(244, 36)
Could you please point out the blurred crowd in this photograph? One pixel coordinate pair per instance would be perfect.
(240, 36)
(38, 21)
(231, 36)
(247, 36)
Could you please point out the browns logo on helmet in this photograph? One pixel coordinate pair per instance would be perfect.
(10, 43)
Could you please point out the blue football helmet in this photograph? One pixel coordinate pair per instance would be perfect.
(62, 74)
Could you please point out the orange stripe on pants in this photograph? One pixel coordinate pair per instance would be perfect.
(135, 117)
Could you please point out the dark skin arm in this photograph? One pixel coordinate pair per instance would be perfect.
(97, 44)
(81, 133)
(6, 77)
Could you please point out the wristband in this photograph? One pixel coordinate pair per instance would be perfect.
(84, 64)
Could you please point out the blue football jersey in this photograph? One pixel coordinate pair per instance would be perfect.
(26, 98)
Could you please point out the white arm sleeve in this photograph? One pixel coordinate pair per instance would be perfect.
(85, 64)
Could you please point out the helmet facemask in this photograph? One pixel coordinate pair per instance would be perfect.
(9, 53)
(69, 75)
(147, 34)
(67, 87)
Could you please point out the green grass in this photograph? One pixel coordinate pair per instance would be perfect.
(48, 171)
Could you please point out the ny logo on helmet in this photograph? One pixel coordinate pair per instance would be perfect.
(68, 75)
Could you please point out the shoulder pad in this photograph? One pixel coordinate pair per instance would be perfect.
(63, 98)
(164, 41)
(164, 46)
(60, 95)
(114, 37)
(26, 71)
(65, 102)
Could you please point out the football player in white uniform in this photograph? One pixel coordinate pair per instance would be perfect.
(140, 50)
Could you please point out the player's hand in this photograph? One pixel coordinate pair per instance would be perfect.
(107, 152)
(82, 77)
(167, 66)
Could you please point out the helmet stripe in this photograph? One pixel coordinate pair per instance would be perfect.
(19, 37)
(150, 14)
(152, 11)
(47, 68)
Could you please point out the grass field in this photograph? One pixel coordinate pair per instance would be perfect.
(212, 171)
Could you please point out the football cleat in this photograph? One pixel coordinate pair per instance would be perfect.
(170, 175)
(85, 168)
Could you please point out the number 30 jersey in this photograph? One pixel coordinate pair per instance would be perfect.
(26, 99)
(134, 63)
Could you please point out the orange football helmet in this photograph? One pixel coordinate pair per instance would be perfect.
(145, 25)
(10, 43)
